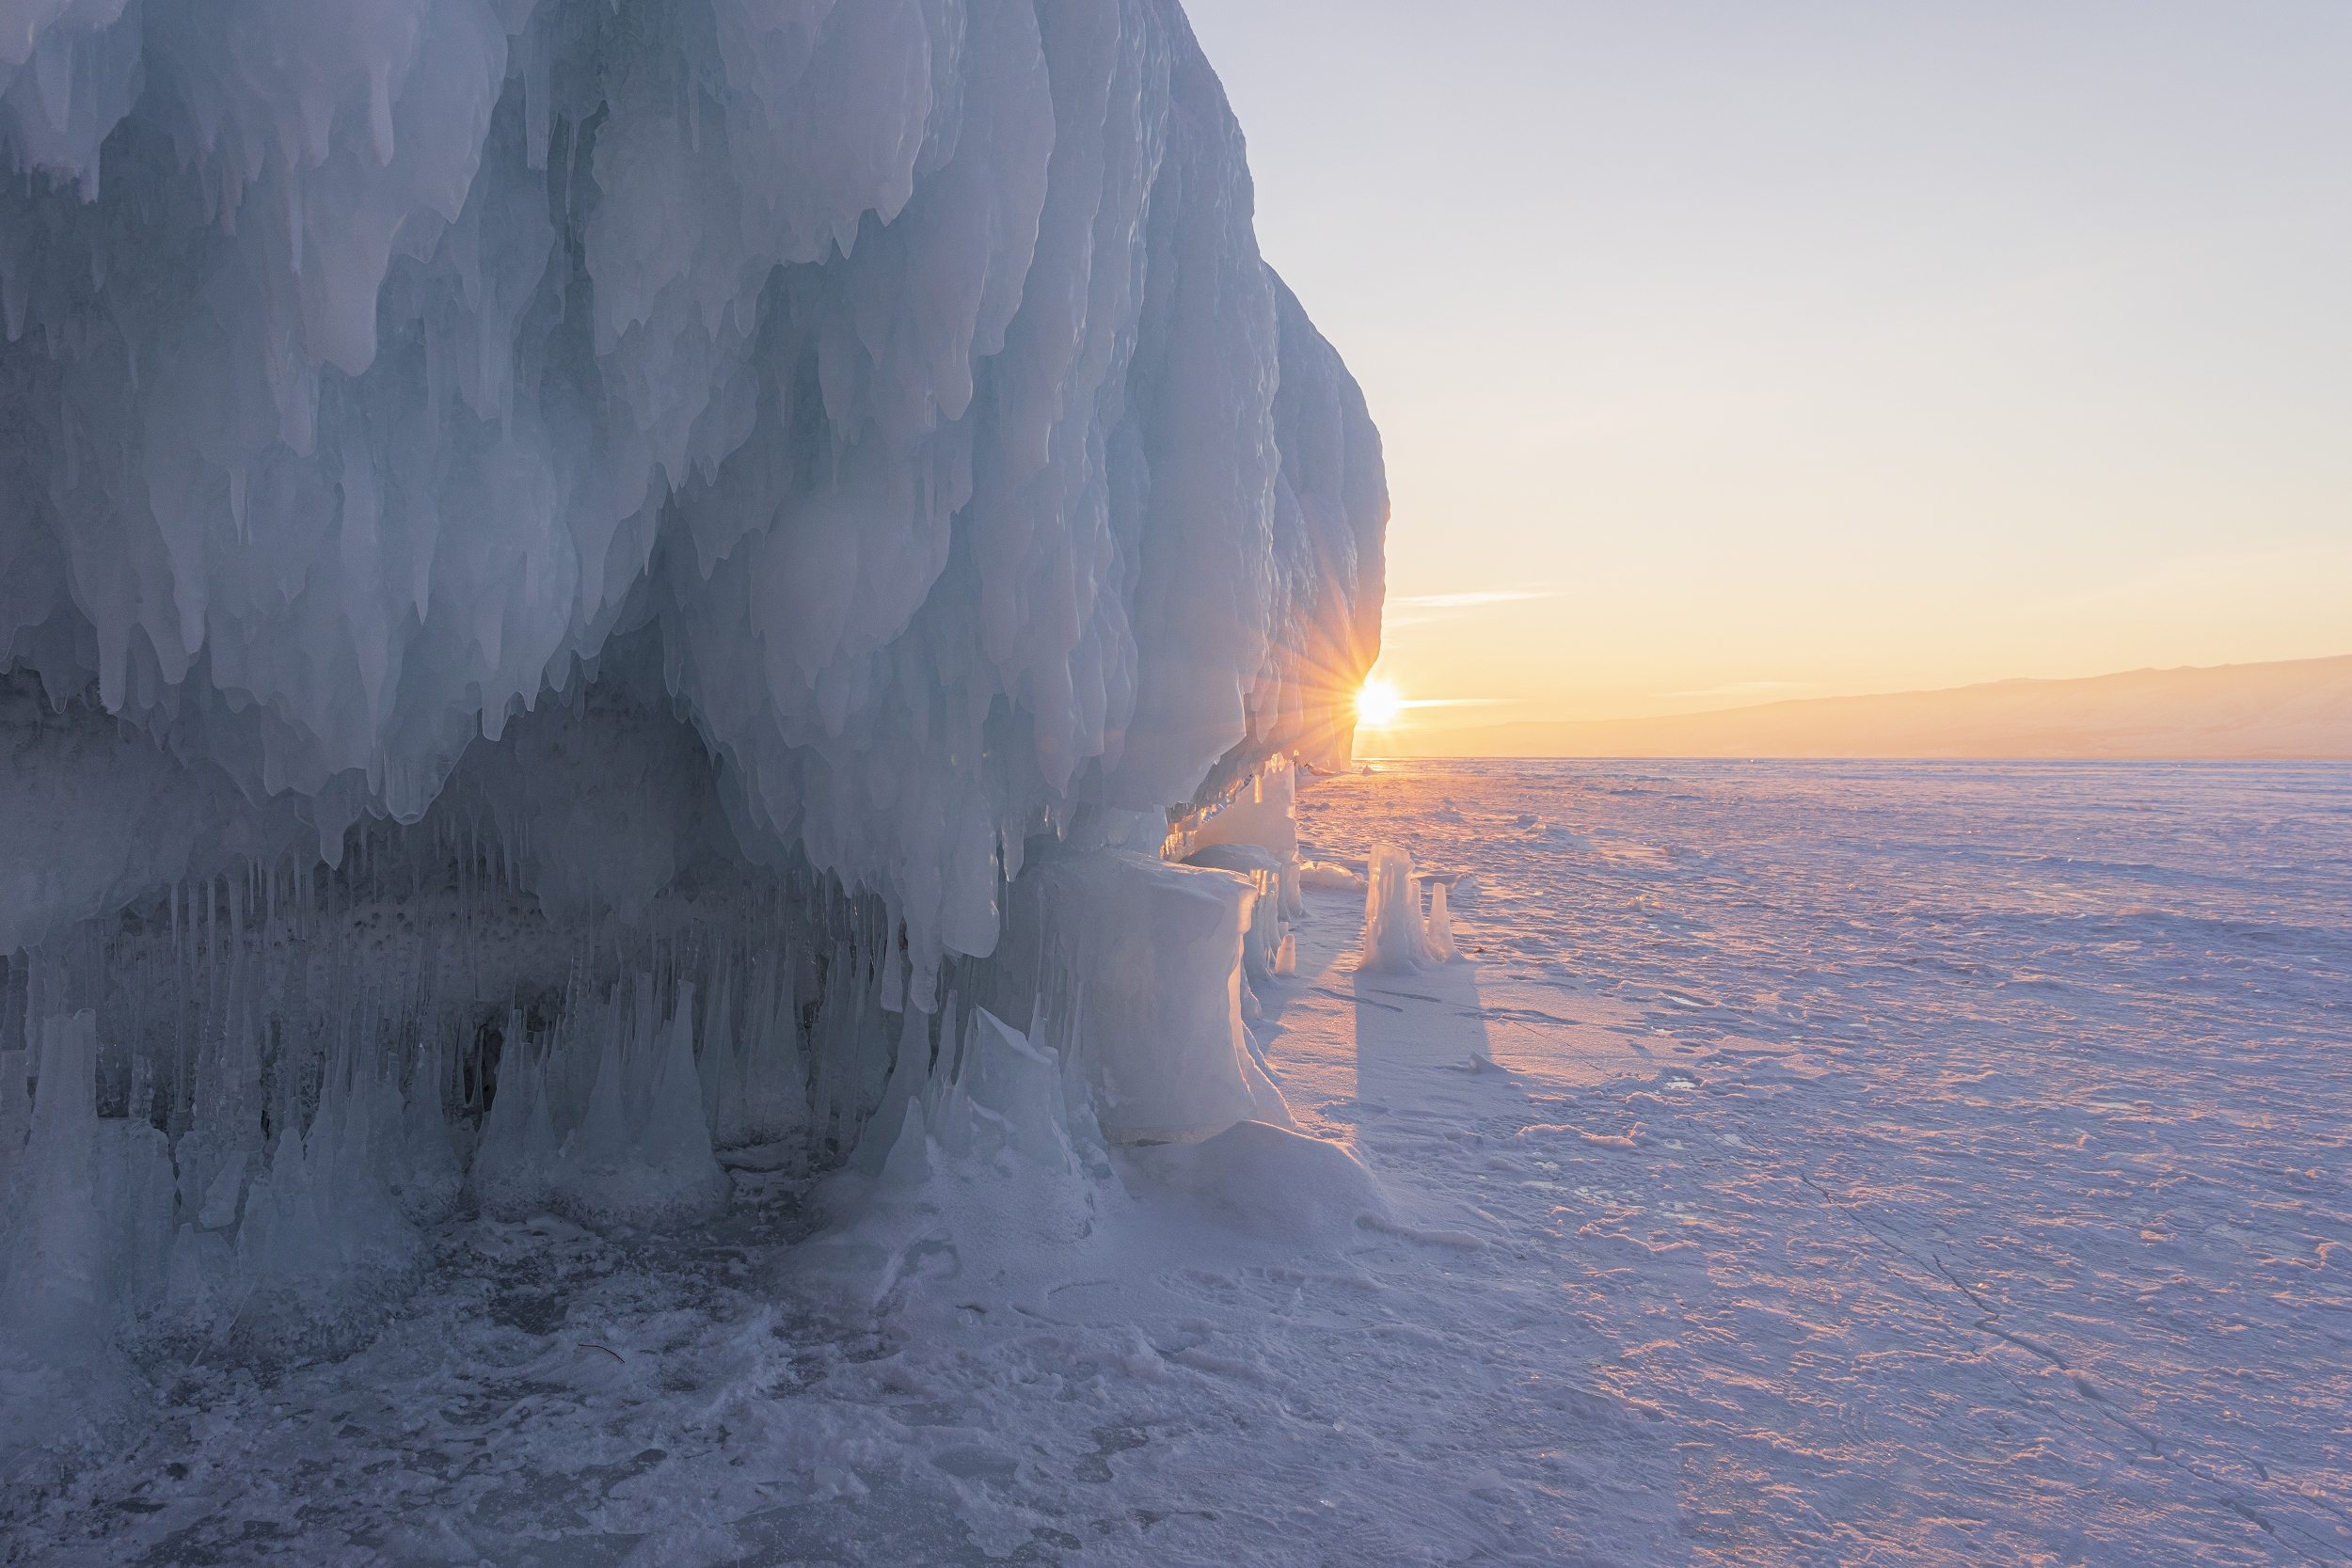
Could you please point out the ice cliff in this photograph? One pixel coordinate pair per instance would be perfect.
(579, 547)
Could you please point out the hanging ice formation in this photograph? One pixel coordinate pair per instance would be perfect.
(560, 562)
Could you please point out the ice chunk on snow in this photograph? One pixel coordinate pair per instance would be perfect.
(1439, 924)
(1335, 878)
(1274, 1183)
(1155, 956)
(1397, 936)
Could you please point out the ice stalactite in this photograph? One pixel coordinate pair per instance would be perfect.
(911, 369)
(321, 1061)
(302, 1067)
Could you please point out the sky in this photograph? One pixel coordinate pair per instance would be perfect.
(1731, 353)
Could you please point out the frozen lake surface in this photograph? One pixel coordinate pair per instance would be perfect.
(1810, 1162)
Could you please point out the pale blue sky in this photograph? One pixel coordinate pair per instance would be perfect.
(1786, 350)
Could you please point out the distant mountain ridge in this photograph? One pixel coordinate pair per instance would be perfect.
(2291, 710)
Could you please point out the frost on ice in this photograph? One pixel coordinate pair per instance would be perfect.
(587, 588)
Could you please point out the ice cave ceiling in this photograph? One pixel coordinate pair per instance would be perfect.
(896, 387)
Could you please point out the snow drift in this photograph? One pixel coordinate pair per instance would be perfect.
(559, 559)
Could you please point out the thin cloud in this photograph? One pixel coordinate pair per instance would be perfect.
(1456, 701)
(1468, 601)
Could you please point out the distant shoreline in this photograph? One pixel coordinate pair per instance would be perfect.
(2049, 761)
(2297, 710)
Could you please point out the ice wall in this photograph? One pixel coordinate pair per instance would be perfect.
(908, 366)
(558, 560)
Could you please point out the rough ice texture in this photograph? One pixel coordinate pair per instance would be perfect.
(557, 561)
(907, 370)
(556, 566)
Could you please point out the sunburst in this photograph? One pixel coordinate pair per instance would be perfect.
(1380, 704)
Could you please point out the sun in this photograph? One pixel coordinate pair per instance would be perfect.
(1378, 705)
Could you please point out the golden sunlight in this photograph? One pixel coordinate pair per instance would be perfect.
(1378, 705)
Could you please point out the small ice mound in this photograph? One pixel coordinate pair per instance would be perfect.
(1278, 1185)
(517, 1157)
(984, 1184)
(643, 1159)
(323, 1240)
(1448, 812)
(1005, 1111)
(609, 1128)
(1438, 925)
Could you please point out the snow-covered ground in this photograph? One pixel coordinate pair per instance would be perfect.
(1809, 1163)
